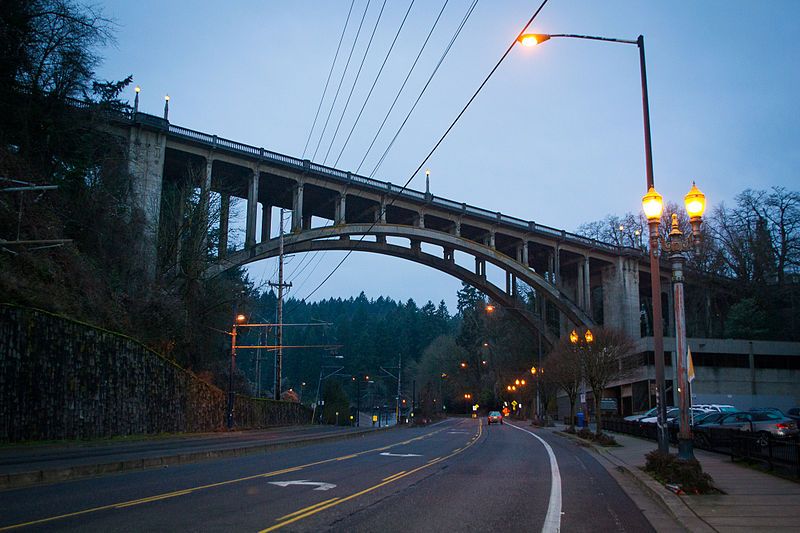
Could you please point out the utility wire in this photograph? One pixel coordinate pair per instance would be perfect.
(312, 256)
(375, 82)
(438, 143)
(325, 90)
(347, 64)
(425, 87)
(355, 81)
(397, 96)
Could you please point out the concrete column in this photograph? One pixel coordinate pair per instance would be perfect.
(457, 228)
(557, 267)
(416, 246)
(491, 239)
(477, 267)
(146, 150)
(419, 220)
(224, 214)
(525, 257)
(509, 284)
(551, 266)
(580, 297)
(266, 222)
(252, 209)
(621, 296)
(341, 209)
(297, 208)
(383, 211)
(587, 286)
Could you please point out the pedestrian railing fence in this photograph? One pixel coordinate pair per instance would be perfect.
(780, 454)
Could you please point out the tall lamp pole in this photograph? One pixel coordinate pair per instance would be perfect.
(532, 39)
(239, 319)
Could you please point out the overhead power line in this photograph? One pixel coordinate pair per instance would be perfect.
(438, 143)
(355, 81)
(325, 90)
(425, 87)
(375, 82)
(338, 88)
(402, 86)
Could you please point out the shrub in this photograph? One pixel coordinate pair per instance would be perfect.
(688, 475)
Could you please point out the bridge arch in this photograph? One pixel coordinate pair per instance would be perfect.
(373, 238)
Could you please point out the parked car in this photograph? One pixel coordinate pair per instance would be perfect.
(794, 413)
(495, 418)
(721, 408)
(763, 424)
(673, 413)
(646, 414)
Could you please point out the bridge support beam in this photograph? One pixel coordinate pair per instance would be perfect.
(252, 207)
(587, 287)
(340, 210)
(297, 208)
(480, 267)
(266, 221)
(224, 215)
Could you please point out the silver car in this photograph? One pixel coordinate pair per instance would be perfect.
(762, 424)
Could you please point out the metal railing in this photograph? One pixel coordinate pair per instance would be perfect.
(780, 454)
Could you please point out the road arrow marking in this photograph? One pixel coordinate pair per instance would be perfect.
(319, 484)
(387, 454)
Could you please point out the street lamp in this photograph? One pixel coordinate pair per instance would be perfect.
(532, 39)
(240, 318)
(676, 245)
(577, 342)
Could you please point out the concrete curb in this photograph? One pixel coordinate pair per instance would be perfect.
(37, 477)
(669, 501)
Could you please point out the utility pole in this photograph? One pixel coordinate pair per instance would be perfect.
(280, 285)
(398, 377)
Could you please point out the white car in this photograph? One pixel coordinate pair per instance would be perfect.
(720, 408)
(674, 412)
(637, 418)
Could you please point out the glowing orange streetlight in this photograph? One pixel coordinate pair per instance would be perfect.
(489, 308)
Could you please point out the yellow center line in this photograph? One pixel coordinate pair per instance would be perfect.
(389, 477)
(172, 494)
(306, 509)
(370, 489)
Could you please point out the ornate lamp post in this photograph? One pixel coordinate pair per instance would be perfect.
(676, 245)
(578, 344)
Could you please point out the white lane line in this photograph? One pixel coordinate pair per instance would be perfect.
(552, 521)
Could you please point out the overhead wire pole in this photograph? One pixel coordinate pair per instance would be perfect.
(280, 285)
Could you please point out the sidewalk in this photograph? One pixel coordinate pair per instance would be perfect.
(752, 500)
(29, 464)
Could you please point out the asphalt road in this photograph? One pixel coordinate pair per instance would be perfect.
(458, 475)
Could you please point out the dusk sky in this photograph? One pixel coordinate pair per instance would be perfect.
(555, 136)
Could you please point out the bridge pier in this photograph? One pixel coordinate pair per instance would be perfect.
(340, 209)
(621, 296)
(146, 152)
(224, 216)
(252, 208)
(297, 208)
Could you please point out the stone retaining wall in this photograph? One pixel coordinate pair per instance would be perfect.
(61, 379)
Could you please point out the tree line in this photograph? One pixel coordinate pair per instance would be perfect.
(744, 279)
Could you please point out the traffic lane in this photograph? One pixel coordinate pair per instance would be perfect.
(24, 459)
(591, 500)
(33, 503)
(257, 503)
(501, 483)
